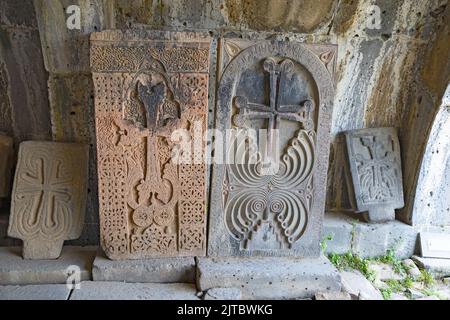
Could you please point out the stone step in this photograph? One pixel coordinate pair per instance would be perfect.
(269, 277)
(439, 268)
(35, 292)
(107, 290)
(157, 270)
(14, 270)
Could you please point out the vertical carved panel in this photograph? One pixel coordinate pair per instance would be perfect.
(268, 198)
(374, 156)
(49, 197)
(148, 86)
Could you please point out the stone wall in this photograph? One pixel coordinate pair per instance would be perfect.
(392, 76)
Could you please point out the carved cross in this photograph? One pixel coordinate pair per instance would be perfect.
(275, 111)
(47, 187)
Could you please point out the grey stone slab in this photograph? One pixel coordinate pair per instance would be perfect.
(355, 284)
(337, 295)
(411, 268)
(155, 270)
(269, 277)
(17, 271)
(265, 209)
(35, 292)
(434, 245)
(369, 240)
(99, 290)
(375, 164)
(223, 294)
(439, 268)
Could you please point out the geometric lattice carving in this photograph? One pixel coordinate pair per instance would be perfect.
(49, 197)
(374, 156)
(148, 85)
(269, 199)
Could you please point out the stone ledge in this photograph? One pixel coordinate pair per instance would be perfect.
(368, 240)
(35, 292)
(157, 270)
(17, 271)
(269, 277)
(100, 290)
(439, 268)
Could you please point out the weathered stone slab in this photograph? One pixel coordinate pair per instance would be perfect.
(369, 240)
(155, 270)
(17, 271)
(411, 268)
(223, 294)
(354, 283)
(269, 201)
(24, 81)
(67, 50)
(375, 164)
(434, 245)
(6, 163)
(269, 277)
(35, 292)
(337, 295)
(98, 290)
(49, 197)
(149, 86)
(439, 268)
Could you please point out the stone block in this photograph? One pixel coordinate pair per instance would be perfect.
(375, 164)
(338, 295)
(384, 271)
(152, 270)
(25, 90)
(223, 294)
(6, 164)
(439, 268)
(411, 268)
(17, 271)
(268, 277)
(272, 206)
(355, 284)
(341, 229)
(98, 290)
(369, 240)
(49, 197)
(67, 50)
(35, 292)
(164, 79)
(434, 245)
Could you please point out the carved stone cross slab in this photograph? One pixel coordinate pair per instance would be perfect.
(149, 85)
(286, 89)
(374, 156)
(49, 197)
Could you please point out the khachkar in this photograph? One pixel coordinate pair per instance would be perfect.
(148, 86)
(374, 156)
(49, 197)
(259, 209)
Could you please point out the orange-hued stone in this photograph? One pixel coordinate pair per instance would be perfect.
(147, 86)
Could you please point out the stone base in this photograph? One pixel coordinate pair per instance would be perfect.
(269, 277)
(157, 270)
(368, 240)
(17, 271)
(97, 290)
(35, 292)
(439, 268)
